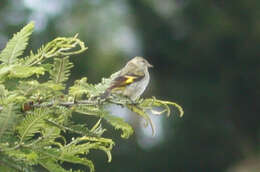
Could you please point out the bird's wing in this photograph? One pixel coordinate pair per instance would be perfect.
(124, 80)
(127, 76)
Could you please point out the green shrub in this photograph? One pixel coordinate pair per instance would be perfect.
(36, 117)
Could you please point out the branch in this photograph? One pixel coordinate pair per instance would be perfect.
(30, 105)
(68, 104)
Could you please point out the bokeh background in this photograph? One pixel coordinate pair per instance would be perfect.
(206, 57)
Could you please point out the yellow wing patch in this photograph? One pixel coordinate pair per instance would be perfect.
(130, 79)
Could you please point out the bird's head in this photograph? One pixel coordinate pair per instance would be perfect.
(140, 62)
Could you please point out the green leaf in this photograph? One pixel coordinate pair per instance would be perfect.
(120, 124)
(6, 168)
(26, 156)
(95, 131)
(82, 145)
(81, 87)
(144, 115)
(4, 71)
(19, 71)
(58, 47)
(25, 71)
(52, 155)
(51, 133)
(150, 103)
(3, 91)
(78, 160)
(16, 46)
(8, 164)
(35, 89)
(33, 123)
(7, 120)
(51, 165)
(61, 70)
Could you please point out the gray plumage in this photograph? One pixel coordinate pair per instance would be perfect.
(132, 79)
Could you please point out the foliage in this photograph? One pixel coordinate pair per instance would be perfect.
(36, 117)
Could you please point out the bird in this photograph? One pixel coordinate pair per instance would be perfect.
(131, 81)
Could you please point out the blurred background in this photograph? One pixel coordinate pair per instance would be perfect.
(206, 56)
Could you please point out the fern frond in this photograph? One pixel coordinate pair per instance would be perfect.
(82, 145)
(33, 89)
(8, 163)
(7, 120)
(78, 160)
(6, 168)
(150, 103)
(61, 70)
(81, 87)
(144, 115)
(4, 71)
(51, 165)
(58, 47)
(96, 131)
(26, 156)
(3, 93)
(51, 133)
(54, 156)
(32, 124)
(63, 115)
(19, 71)
(119, 124)
(16, 46)
(25, 71)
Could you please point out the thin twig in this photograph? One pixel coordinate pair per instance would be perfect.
(68, 104)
